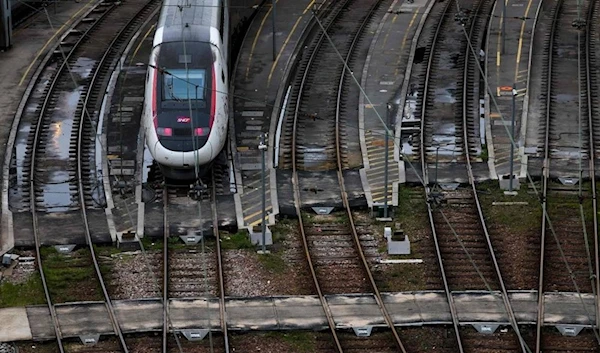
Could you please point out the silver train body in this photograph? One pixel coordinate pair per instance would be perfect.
(186, 101)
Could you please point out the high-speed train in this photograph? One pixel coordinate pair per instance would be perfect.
(186, 101)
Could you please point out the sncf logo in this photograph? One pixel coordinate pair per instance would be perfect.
(183, 119)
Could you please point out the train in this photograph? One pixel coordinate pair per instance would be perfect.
(185, 113)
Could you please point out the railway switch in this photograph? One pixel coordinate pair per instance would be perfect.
(397, 242)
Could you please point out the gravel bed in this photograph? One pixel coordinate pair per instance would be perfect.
(283, 272)
(394, 277)
(22, 271)
(134, 275)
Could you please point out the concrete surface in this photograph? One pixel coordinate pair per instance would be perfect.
(508, 60)
(15, 324)
(383, 80)
(297, 312)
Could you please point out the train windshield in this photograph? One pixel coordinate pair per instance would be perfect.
(181, 84)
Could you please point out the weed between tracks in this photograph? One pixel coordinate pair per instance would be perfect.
(70, 277)
(239, 240)
(517, 218)
(29, 292)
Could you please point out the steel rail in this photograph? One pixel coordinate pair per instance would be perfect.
(589, 72)
(97, 73)
(296, 183)
(215, 217)
(166, 232)
(545, 177)
(388, 319)
(37, 133)
(426, 178)
(165, 292)
(469, 56)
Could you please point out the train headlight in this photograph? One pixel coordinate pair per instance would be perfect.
(164, 131)
(201, 131)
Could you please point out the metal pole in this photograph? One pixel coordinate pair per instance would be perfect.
(263, 148)
(273, 18)
(385, 173)
(437, 149)
(503, 24)
(512, 138)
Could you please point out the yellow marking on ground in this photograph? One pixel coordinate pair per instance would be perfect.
(268, 208)
(498, 48)
(388, 33)
(410, 24)
(287, 40)
(521, 40)
(51, 39)
(262, 24)
(141, 42)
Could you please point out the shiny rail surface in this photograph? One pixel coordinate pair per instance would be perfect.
(194, 275)
(463, 247)
(565, 243)
(343, 235)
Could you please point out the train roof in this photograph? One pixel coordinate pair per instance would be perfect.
(192, 16)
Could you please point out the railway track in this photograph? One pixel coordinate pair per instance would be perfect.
(315, 94)
(332, 245)
(569, 245)
(51, 168)
(76, 71)
(193, 271)
(448, 111)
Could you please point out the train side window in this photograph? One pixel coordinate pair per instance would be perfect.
(223, 75)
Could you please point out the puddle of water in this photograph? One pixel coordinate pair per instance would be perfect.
(445, 95)
(564, 98)
(569, 153)
(83, 67)
(56, 193)
(62, 125)
(407, 148)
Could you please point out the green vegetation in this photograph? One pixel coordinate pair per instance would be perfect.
(484, 153)
(152, 244)
(515, 217)
(239, 240)
(273, 262)
(299, 341)
(411, 211)
(70, 277)
(29, 292)
(282, 228)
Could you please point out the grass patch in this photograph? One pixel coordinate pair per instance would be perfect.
(30, 292)
(282, 228)
(152, 244)
(298, 340)
(516, 217)
(273, 262)
(239, 240)
(484, 153)
(403, 277)
(70, 277)
(411, 211)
